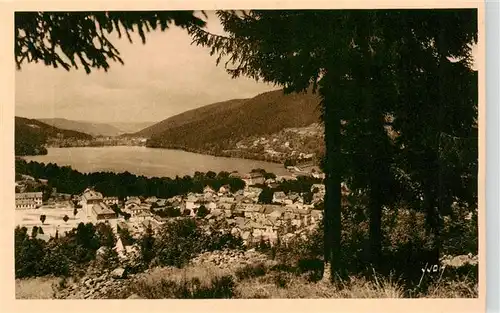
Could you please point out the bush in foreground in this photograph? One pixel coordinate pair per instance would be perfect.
(177, 242)
(259, 282)
(218, 288)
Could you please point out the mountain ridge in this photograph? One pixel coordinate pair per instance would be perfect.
(105, 129)
(32, 135)
(217, 127)
(188, 117)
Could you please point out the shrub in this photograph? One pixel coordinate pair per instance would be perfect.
(182, 239)
(55, 262)
(202, 212)
(147, 245)
(282, 279)
(105, 235)
(35, 257)
(312, 267)
(34, 231)
(221, 288)
(218, 288)
(266, 196)
(108, 260)
(264, 246)
(307, 246)
(60, 256)
(125, 236)
(220, 239)
(460, 233)
(251, 271)
(177, 242)
(29, 253)
(63, 283)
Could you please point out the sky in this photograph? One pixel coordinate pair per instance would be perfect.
(175, 77)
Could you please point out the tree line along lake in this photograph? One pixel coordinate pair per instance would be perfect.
(149, 162)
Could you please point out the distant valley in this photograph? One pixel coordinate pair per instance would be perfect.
(270, 127)
(32, 136)
(110, 129)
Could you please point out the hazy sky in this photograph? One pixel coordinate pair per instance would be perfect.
(173, 77)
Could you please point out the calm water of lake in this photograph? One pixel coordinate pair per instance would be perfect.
(148, 161)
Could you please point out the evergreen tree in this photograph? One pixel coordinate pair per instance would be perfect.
(202, 211)
(34, 232)
(348, 56)
(147, 246)
(106, 235)
(266, 196)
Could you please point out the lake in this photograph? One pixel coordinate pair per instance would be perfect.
(148, 161)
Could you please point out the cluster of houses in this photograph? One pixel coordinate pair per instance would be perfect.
(241, 210)
(286, 144)
(246, 217)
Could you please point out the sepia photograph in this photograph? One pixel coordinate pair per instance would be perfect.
(247, 154)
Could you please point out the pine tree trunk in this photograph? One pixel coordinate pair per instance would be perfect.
(432, 224)
(375, 209)
(434, 194)
(332, 166)
(374, 141)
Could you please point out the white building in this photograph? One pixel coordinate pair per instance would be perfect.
(89, 198)
(100, 211)
(279, 197)
(28, 200)
(137, 210)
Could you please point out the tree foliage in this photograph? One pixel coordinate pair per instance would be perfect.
(398, 101)
(202, 211)
(59, 256)
(370, 67)
(266, 196)
(106, 235)
(67, 180)
(68, 39)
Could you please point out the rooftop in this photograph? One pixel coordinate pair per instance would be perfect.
(92, 195)
(28, 195)
(101, 209)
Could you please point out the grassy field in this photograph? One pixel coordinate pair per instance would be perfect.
(205, 281)
(36, 288)
(260, 282)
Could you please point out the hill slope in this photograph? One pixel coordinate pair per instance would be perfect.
(189, 117)
(94, 129)
(217, 127)
(130, 127)
(32, 135)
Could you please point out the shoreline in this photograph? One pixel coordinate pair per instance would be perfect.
(240, 155)
(150, 167)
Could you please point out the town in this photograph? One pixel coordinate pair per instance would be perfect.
(97, 141)
(242, 210)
